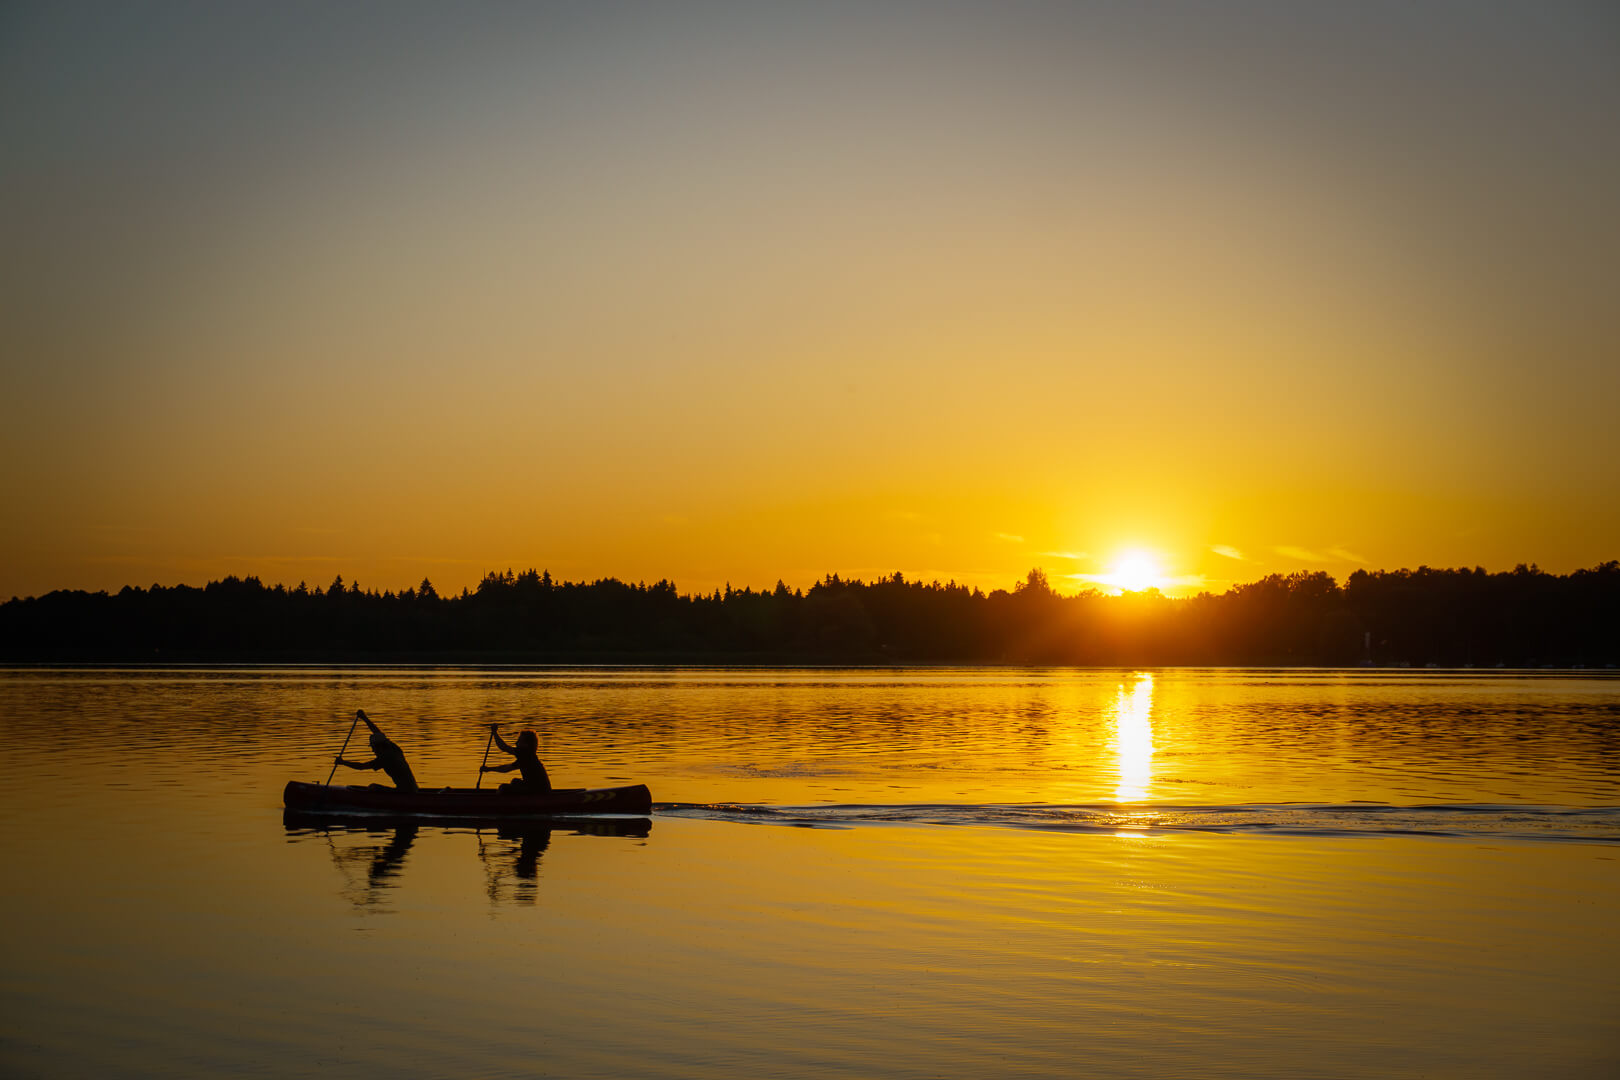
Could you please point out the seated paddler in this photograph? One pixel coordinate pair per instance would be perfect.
(389, 757)
(526, 760)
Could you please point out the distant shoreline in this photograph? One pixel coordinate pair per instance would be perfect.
(1524, 619)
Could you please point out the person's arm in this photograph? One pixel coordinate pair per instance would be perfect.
(500, 742)
(508, 767)
(374, 764)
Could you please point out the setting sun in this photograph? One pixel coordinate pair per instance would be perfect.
(1134, 571)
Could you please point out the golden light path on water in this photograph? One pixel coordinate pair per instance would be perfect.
(1133, 738)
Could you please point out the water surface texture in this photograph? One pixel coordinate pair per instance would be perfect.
(996, 872)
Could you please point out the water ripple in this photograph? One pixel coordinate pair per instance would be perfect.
(1476, 821)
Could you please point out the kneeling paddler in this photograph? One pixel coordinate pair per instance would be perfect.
(389, 757)
(527, 760)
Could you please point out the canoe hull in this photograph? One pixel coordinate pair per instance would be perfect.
(298, 822)
(464, 802)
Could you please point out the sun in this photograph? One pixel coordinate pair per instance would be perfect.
(1134, 571)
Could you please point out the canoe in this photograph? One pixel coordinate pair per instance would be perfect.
(488, 804)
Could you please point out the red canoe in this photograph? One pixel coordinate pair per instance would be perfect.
(464, 802)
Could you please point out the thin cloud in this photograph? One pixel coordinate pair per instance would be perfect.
(223, 560)
(1300, 554)
(443, 560)
(1331, 555)
(1228, 551)
(1011, 538)
(254, 559)
(1076, 556)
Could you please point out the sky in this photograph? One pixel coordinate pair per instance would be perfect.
(739, 293)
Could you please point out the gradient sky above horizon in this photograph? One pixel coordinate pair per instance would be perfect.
(747, 292)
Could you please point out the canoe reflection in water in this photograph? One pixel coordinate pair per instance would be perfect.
(370, 853)
(512, 862)
(369, 868)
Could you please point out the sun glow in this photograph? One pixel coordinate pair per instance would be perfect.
(1134, 571)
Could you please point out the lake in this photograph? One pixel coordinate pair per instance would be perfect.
(901, 873)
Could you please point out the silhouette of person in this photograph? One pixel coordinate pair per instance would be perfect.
(389, 757)
(527, 761)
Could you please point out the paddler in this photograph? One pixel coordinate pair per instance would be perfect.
(527, 755)
(390, 758)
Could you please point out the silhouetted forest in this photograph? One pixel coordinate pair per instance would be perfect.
(1447, 618)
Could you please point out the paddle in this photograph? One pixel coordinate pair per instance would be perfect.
(481, 764)
(346, 739)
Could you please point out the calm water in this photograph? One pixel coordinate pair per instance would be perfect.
(1026, 873)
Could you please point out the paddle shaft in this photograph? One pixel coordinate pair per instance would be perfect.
(481, 764)
(346, 739)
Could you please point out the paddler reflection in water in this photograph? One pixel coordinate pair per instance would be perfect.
(527, 755)
(390, 758)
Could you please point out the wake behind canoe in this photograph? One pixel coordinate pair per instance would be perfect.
(464, 802)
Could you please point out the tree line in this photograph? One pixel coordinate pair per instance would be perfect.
(1448, 618)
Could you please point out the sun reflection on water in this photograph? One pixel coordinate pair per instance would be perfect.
(1133, 737)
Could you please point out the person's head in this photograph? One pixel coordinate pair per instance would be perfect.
(528, 741)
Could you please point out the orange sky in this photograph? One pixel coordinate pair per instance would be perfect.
(744, 292)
